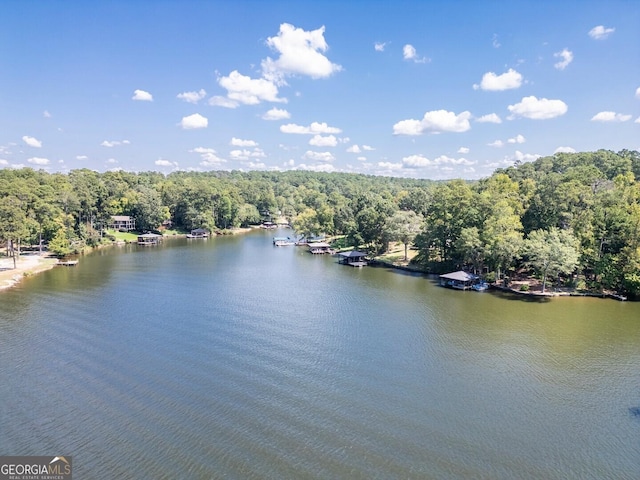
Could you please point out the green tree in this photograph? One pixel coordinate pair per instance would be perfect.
(551, 252)
(403, 226)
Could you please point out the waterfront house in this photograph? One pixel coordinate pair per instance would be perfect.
(353, 258)
(460, 280)
(149, 239)
(122, 223)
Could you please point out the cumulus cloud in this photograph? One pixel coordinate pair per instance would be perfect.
(638, 93)
(600, 32)
(192, 97)
(564, 150)
(32, 142)
(420, 161)
(538, 109)
(114, 143)
(389, 165)
(525, 157)
(249, 91)
(566, 57)
(517, 139)
(246, 154)
(354, 149)
(209, 157)
(237, 142)
(276, 114)
(379, 46)
(463, 150)
(489, 118)
(409, 53)
(219, 101)
(434, 121)
(165, 163)
(301, 53)
(318, 156)
(323, 167)
(506, 81)
(194, 121)
(38, 161)
(312, 129)
(497, 144)
(46, 114)
(610, 117)
(320, 141)
(142, 96)
(368, 148)
(81, 157)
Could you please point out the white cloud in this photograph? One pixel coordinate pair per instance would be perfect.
(409, 53)
(638, 93)
(416, 161)
(489, 118)
(247, 154)
(237, 142)
(165, 163)
(354, 149)
(32, 142)
(194, 121)
(249, 91)
(368, 148)
(379, 46)
(114, 143)
(276, 114)
(38, 161)
(312, 129)
(320, 141)
(525, 157)
(362, 159)
(538, 109)
(81, 157)
(46, 114)
(610, 117)
(209, 157)
(142, 96)
(637, 120)
(218, 101)
(508, 80)
(497, 144)
(3, 162)
(566, 56)
(390, 165)
(495, 42)
(517, 139)
(300, 54)
(434, 121)
(463, 150)
(564, 150)
(318, 156)
(600, 32)
(323, 167)
(111, 161)
(192, 97)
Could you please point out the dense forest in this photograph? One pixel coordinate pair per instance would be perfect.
(570, 217)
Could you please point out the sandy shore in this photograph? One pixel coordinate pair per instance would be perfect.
(27, 265)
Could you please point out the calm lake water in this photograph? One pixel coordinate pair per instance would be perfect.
(231, 358)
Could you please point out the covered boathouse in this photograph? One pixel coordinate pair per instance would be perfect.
(320, 247)
(149, 239)
(460, 280)
(353, 258)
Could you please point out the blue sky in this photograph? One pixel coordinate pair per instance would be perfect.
(446, 89)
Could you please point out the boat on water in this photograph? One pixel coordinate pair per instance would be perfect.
(480, 286)
(283, 241)
(198, 233)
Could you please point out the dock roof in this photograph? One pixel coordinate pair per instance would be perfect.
(460, 276)
(352, 253)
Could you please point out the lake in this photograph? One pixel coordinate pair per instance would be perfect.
(232, 358)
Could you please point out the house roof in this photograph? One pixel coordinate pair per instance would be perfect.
(149, 235)
(319, 245)
(121, 218)
(460, 276)
(352, 253)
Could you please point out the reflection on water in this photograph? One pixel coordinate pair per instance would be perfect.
(231, 358)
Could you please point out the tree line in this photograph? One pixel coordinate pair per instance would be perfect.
(573, 217)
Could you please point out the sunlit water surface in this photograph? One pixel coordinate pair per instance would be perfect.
(232, 358)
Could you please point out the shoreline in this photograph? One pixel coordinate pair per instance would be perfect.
(34, 263)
